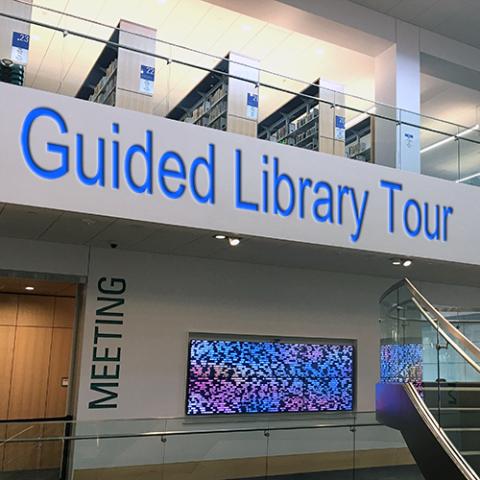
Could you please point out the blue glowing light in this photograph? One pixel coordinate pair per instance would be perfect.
(232, 377)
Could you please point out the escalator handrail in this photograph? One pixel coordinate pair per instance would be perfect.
(446, 328)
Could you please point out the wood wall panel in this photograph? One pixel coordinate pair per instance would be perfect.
(59, 368)
(34, 357)
(7, 339)
(64, 312)
(8, 309)
(35, 311)
(28, 394)
(51, 455)
(3, 431)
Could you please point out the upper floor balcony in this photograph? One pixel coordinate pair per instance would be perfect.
(219, 69)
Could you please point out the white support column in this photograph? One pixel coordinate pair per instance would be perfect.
(397, 84)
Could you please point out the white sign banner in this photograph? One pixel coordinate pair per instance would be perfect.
(73, 155)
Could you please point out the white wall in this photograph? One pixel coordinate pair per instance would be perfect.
(167, 297)
(43, 257)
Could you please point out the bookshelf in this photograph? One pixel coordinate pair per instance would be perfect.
(358, 141)
(222, 102)
(115, 77)
(295, 123)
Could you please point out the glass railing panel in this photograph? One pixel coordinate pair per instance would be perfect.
(120, 448)
(356, 106)
(37, 448)
(381, 452)
(413, 349)
(439, 155)
(469, 154)
(207, 447)
(217, 452)
(64, 48)
(20, 451)
(465, 334)
(311, 452)
(386, 134)
(420, 346)
(405, 354)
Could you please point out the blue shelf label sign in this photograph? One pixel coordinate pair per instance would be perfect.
(408, 140)
(252, 106)
(20, 46)
(147, 79)
(339, 127)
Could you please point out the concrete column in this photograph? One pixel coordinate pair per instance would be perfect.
(397, 84)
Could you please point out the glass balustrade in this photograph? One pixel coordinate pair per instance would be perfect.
(435, 349)
(327, 446)
(96, 61)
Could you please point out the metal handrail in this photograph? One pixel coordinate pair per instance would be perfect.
(445, 327)
(217, 57)
(258, 83)
(439, 433)
(174, 433)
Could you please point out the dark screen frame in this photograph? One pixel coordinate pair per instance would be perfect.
(271, 339)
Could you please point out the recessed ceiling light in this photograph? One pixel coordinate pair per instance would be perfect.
(319, 51)
(405, 262)
(246, 27)
(220, 236)
(233, 241)
(29, 288)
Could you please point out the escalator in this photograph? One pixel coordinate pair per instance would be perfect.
(429, 385)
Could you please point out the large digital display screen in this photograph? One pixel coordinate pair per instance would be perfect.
(236, 376)
(401, 363)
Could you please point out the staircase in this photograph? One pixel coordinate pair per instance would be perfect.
(459, 415)
(430, 383)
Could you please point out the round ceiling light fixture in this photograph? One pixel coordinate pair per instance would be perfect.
(233, 241)
(403, 262)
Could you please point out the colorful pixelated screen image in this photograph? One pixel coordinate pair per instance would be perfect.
(400, 363)
(235, 377)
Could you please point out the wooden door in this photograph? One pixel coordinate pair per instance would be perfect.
(35, 351)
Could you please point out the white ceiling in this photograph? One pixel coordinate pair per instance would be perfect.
(73, 228)
(457, 19)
